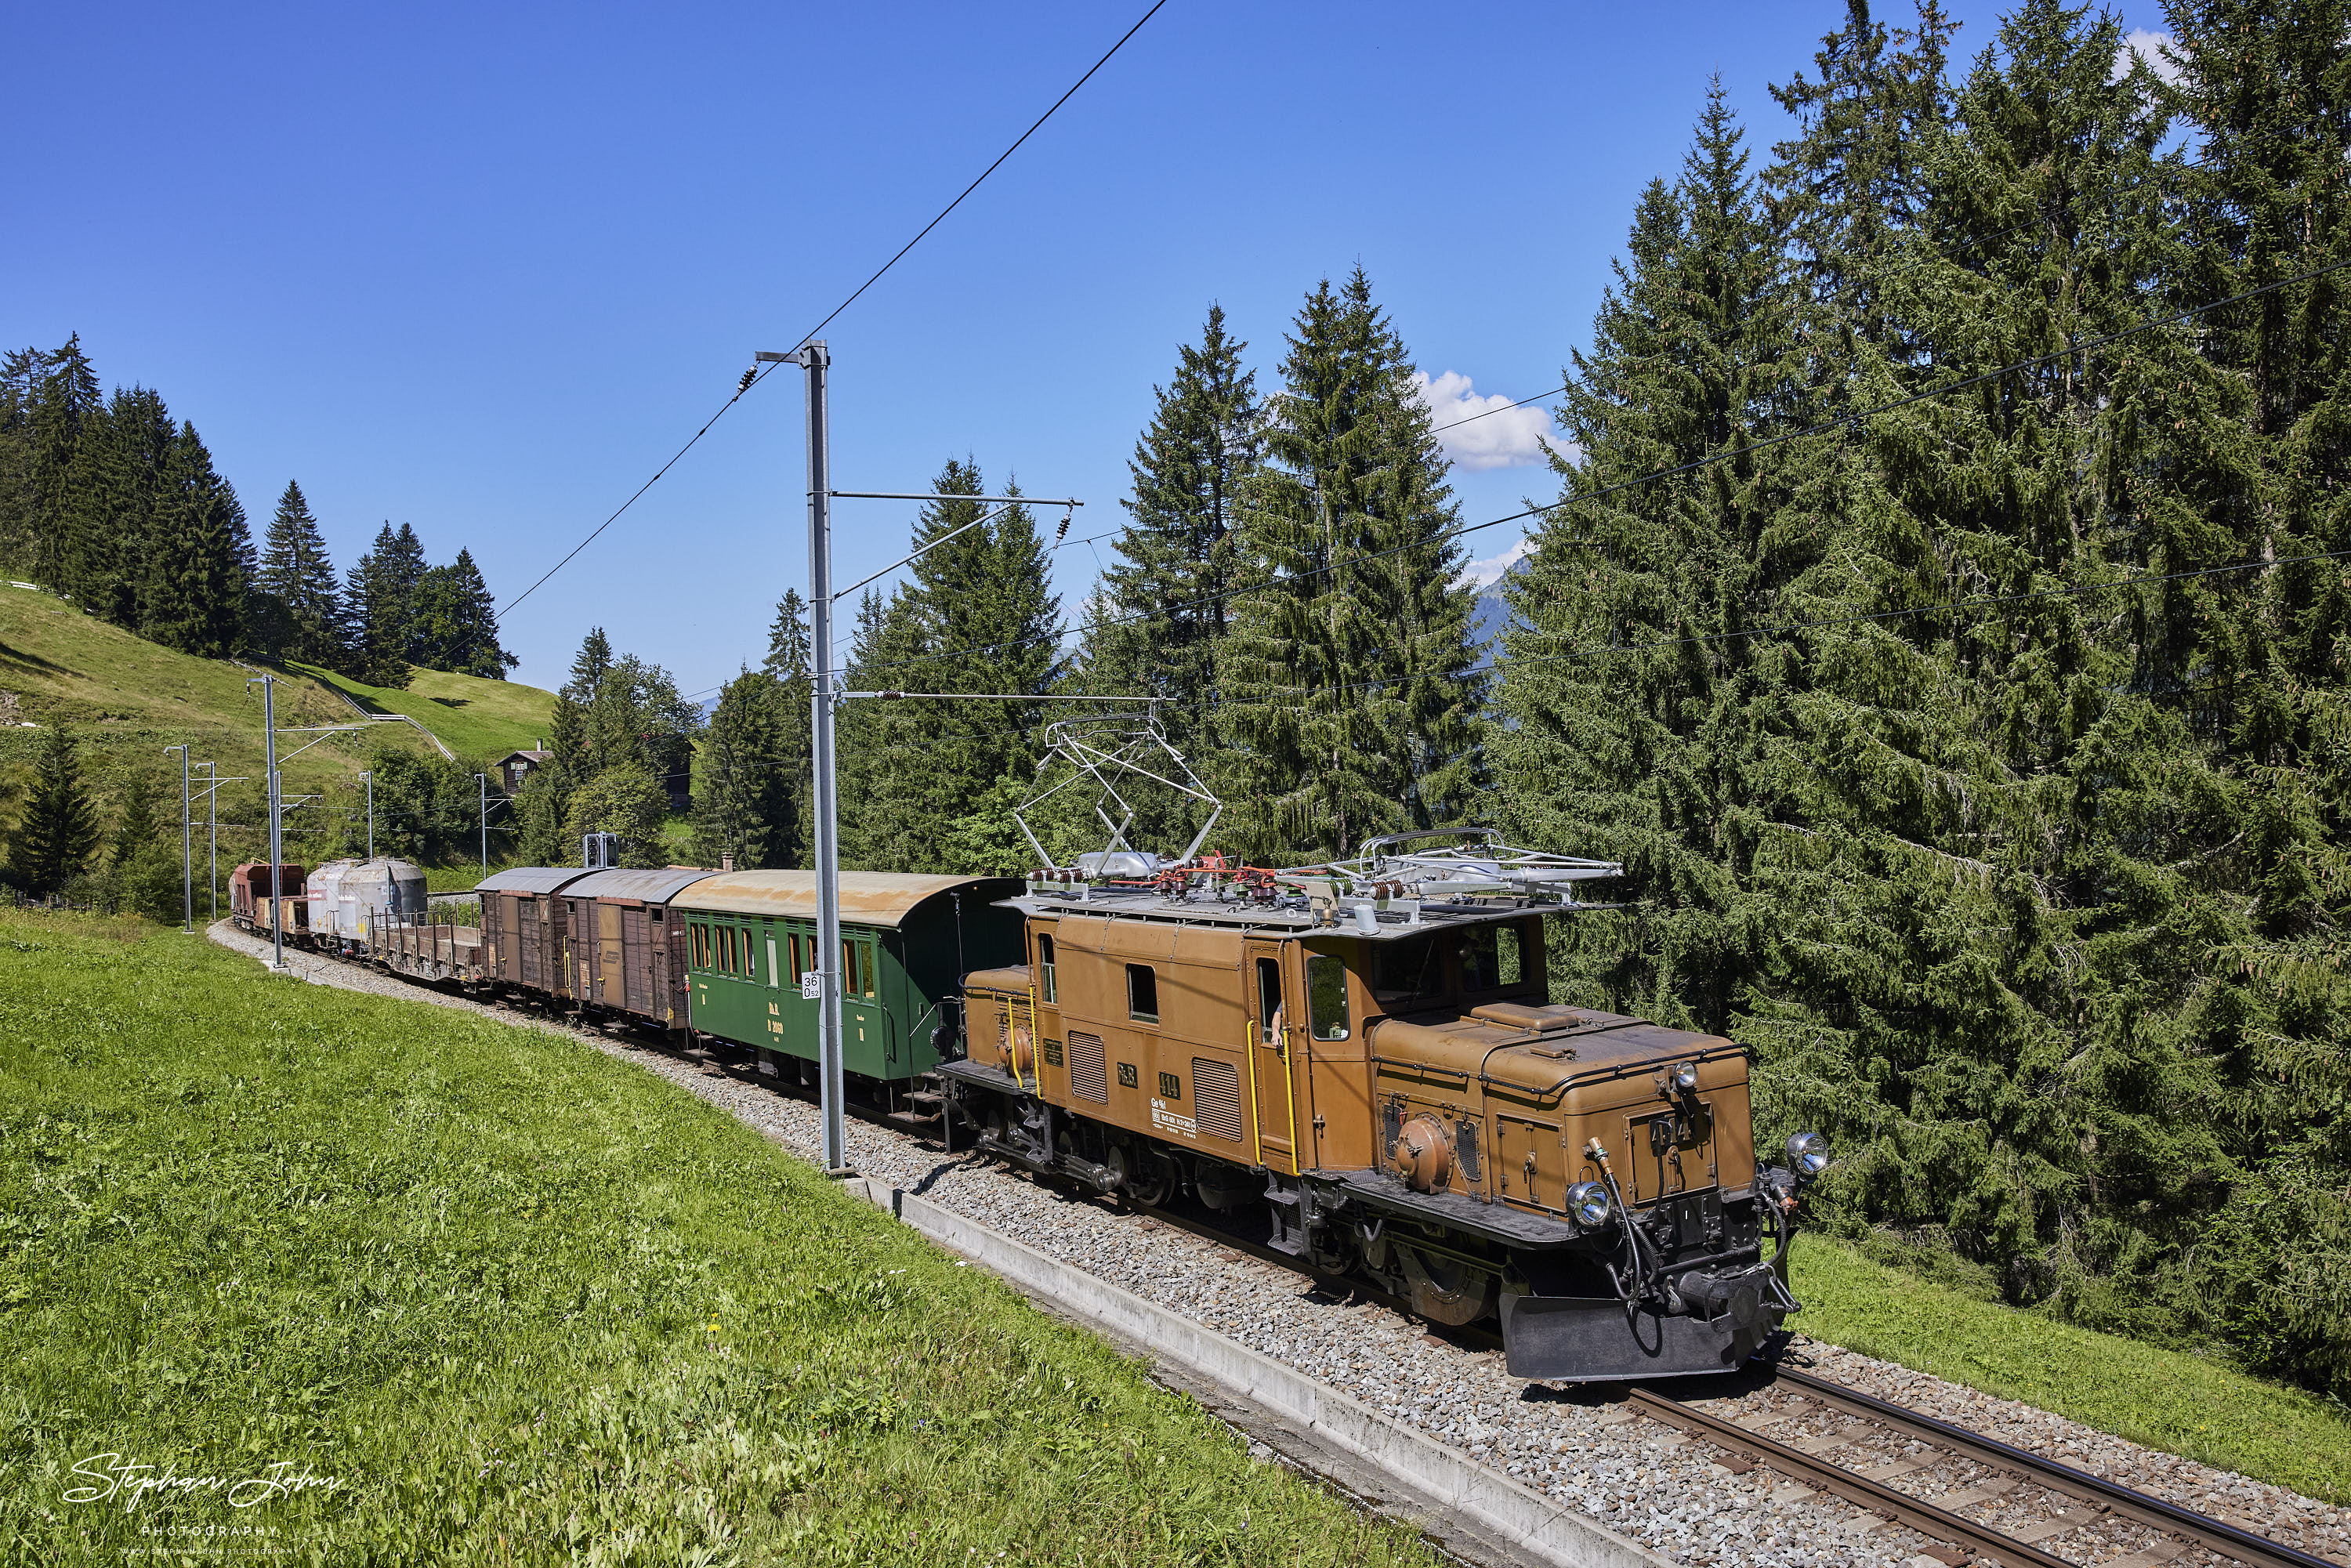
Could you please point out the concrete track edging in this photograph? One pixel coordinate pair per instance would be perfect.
(1549, 1532)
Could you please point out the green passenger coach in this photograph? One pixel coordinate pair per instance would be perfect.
(907, 942)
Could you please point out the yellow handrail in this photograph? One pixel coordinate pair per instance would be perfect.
(1289, 1088)
(1036, 1051)
(1249, 1060)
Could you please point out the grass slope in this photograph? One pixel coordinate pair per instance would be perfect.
(126, 699)
(477, 719)
(2167, 1399)
(523, 1302)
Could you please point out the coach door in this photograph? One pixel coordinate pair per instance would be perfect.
(1273, 1091)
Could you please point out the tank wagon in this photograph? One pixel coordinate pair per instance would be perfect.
(1362, 1059)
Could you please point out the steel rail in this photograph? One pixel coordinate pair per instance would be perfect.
(2195, 1529)
(1979, 1539)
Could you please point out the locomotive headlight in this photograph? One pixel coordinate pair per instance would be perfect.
(1683, 1077)
(1808, 1155)
(1589, 1202)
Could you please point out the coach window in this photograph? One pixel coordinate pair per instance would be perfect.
(1141, 993)
(1326, 996)
(1046, 988)
(856, 968)
(698, 937)
(750, 953)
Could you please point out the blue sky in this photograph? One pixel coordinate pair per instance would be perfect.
(482, 269)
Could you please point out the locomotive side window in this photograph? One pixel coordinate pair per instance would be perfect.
(1269, 1001)
(1047, 990)
(1510, 967)
(1141, 993)
(1481, 960)
(1404, 970)
(1326, 996)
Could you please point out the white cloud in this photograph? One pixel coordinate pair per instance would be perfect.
(1479, 573)
(2149, 46)
(1510, 438)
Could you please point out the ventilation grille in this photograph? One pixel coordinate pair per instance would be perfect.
(1089, 1074)
(1216, 1097)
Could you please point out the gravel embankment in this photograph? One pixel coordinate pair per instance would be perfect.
(1636, 1476)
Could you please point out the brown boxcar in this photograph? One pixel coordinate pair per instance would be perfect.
(623, 953)
(525, 926)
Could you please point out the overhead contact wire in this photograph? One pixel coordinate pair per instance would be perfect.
(809, 335)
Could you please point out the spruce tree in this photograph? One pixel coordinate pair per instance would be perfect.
(65, 396)
(298, 576)
(120, 506)
(979, 617)
(1628, 705)
(1851, 188)
(2255, 659)
(588, 666)
(376, 615)
(1166, 610)
(746, 804)
(788, 665)
(59, 832)
(1350, 700)
(195, 595)
(475, 649)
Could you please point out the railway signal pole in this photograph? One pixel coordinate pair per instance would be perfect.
(817, 361)
(268, 684)
(187, 846)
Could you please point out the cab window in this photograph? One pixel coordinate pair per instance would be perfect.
(1326, 996)
(1047, 990)
(1401, 971)
(1481, 959)
(1509, 946)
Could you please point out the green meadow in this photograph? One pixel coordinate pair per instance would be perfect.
(412, 1286)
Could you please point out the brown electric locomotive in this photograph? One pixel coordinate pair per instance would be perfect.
(1363, 1060)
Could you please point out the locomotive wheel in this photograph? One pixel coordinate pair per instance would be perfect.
(1445, 1290)
(1152, 1180)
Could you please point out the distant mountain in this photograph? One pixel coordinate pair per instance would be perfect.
(1488, 620)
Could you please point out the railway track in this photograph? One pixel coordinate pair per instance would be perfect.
(2057, 1501)
(2034, 1500)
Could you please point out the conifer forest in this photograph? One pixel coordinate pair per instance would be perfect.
(1941, 604)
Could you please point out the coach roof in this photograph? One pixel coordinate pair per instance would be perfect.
(867, 897)
(655, 885)
(530, 879)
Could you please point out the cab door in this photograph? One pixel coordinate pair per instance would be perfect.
(1273, 1089)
